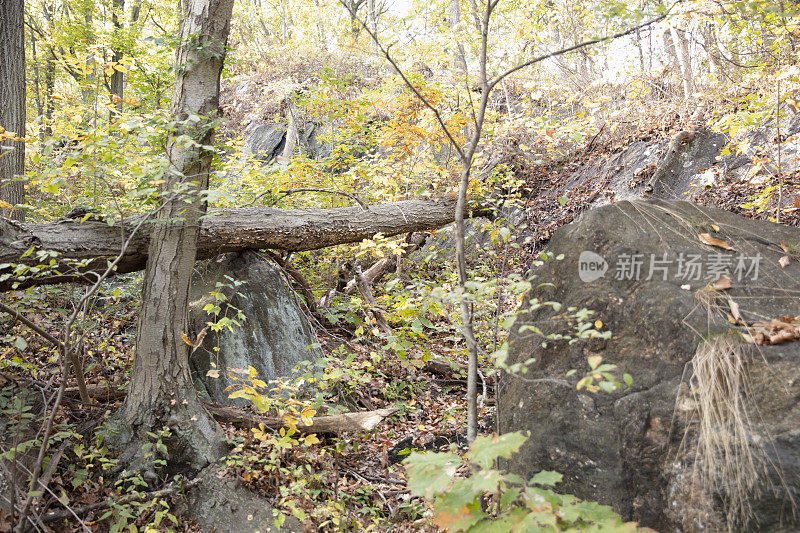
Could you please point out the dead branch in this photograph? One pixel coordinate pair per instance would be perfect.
(221, 231)
(355, 421)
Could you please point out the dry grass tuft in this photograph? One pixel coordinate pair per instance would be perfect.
(729, 459)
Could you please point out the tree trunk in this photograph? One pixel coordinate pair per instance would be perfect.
(161, 389)
(230, 230)
(372, 14)
(117, 80)
(681, 47)
(12, 107)
(37, 86)
(49, 76)
(460, 55)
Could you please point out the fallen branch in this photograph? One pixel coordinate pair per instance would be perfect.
(676, 147)
(228, 230)
(356, 421)
(385, 265)
(372, 306)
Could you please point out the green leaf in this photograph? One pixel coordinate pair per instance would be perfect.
(430, 473)
(547, 478)
(486, 480)
(20, 343)
(486, 449)
(458, 509)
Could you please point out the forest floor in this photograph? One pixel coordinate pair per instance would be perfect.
(356, 477)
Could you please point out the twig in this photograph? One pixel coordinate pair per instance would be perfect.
(32, 326)
(287, 192)
(40, 459)
(584, 44)
(81, 511)
(298, 277)
(366, 293)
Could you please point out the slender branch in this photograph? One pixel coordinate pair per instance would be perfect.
(417, 93)
(584, 44)
(68, 355)
(42, 450)
(32, 326)
(353, 197)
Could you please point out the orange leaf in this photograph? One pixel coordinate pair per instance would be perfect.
(722, 284)
(713, 241)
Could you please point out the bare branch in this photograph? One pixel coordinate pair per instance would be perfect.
(390, 59)
(584, 44)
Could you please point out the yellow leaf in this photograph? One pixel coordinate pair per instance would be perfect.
(290, 420)
(186, 339)
(120, 68)
(307, 415)
(594, 361)
(6, 205)
(310, 439)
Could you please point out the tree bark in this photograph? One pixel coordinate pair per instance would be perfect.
(161, 392)
(12, 106)
(221, 231)
(117, 80)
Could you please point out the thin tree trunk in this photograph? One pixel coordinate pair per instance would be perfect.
(292, 134)
(372, 18)
(12, 106)
(684, 61)
(161, 388)
(460, 55)
(49, 77)
(37, 87)
(638, 41)
(117, 80)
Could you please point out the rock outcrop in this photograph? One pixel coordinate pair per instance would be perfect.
(267, 141)
(707, 436)
(267, 329)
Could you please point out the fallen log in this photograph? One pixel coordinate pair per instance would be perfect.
(355, 421)
(78, 250)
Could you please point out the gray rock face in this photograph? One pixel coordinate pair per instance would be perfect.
(625, 449)
(628, 171)
(442, 245)
(273, 337)
(221, 505)
(267, 141)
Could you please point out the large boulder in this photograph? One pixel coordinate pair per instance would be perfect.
(267, 141)
(707, 436)
(273, 336)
